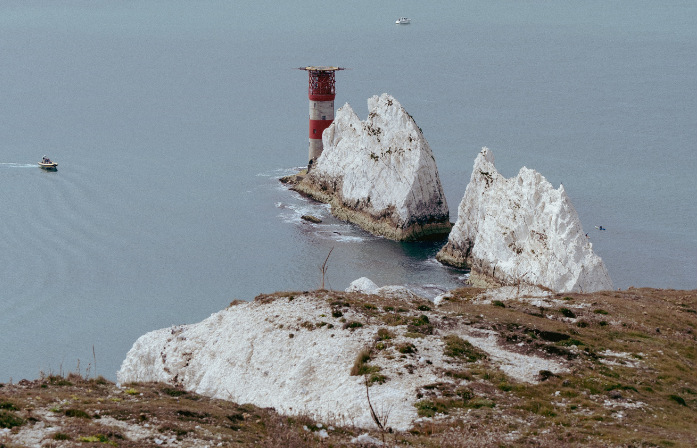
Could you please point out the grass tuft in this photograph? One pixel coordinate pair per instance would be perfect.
(456, 347)
(9, 419)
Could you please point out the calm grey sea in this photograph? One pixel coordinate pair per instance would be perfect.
(172, 120)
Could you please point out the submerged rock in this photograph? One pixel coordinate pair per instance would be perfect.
(379, 173)
(311, 218)
(522, 230)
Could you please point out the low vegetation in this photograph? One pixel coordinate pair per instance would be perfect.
(630, 380)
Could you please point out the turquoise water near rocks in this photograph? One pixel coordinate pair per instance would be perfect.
(172, 120)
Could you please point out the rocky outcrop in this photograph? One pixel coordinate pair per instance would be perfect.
(365, 285)
(521, 229)
(379, 173)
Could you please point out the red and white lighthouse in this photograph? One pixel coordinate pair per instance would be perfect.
(321, 93)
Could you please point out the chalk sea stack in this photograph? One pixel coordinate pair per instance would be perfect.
(522, 230)
(379, 173)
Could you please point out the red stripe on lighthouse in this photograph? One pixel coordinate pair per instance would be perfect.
(321, 97)
(317, 127)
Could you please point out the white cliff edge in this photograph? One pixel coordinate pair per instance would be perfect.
(292, 353)
(379, 173)
(522, 230)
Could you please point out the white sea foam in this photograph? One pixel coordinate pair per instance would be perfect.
(17, 165)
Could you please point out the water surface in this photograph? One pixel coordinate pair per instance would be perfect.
(171, 122)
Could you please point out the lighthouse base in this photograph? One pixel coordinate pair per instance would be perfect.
(315, 150)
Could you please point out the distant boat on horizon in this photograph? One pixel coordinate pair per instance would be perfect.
(403, 21)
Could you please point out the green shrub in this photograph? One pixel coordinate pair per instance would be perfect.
(480, 402)
(461, 375)
(76, 413)
(411, 334)
(174, 392)
(360, 365)
(498, 303)
(337, 313)
(376, 378)
(58, 381)
(600, 312)
(8, 405)
(61, 436)
(384, 334)
(406, 348)
(456, 347)
(567, 312)
(678, 399)
(540, 408)
(424, 308)
(10, 419)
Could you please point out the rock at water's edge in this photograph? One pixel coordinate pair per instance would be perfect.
(379, 173)
(522, 230)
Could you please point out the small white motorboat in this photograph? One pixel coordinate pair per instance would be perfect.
(47, 163)
(403, 21)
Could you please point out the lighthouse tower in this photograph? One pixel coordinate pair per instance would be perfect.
(321, 93)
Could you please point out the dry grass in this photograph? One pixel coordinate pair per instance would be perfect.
(631, 381)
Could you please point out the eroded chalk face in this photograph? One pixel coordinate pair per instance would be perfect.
(379, 173)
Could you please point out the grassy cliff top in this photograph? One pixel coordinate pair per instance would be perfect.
(629, 381)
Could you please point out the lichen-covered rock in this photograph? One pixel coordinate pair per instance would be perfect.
(379, 173)
(522, 230)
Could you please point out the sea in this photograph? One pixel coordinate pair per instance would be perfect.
(171, 122)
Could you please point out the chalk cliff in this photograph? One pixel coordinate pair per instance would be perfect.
(379, 173)
(522, 230)
(294, 352)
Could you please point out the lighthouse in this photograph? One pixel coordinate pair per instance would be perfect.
(321, 93)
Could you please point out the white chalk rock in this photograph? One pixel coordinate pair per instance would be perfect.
(245, 354)
(367, 286)
(379, 173)
(363, 285)
(366, 438)
(522, 229)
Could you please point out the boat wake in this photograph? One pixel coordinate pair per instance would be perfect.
(17, 165)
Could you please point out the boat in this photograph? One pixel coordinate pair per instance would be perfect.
(47, 163)
(403, 21)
